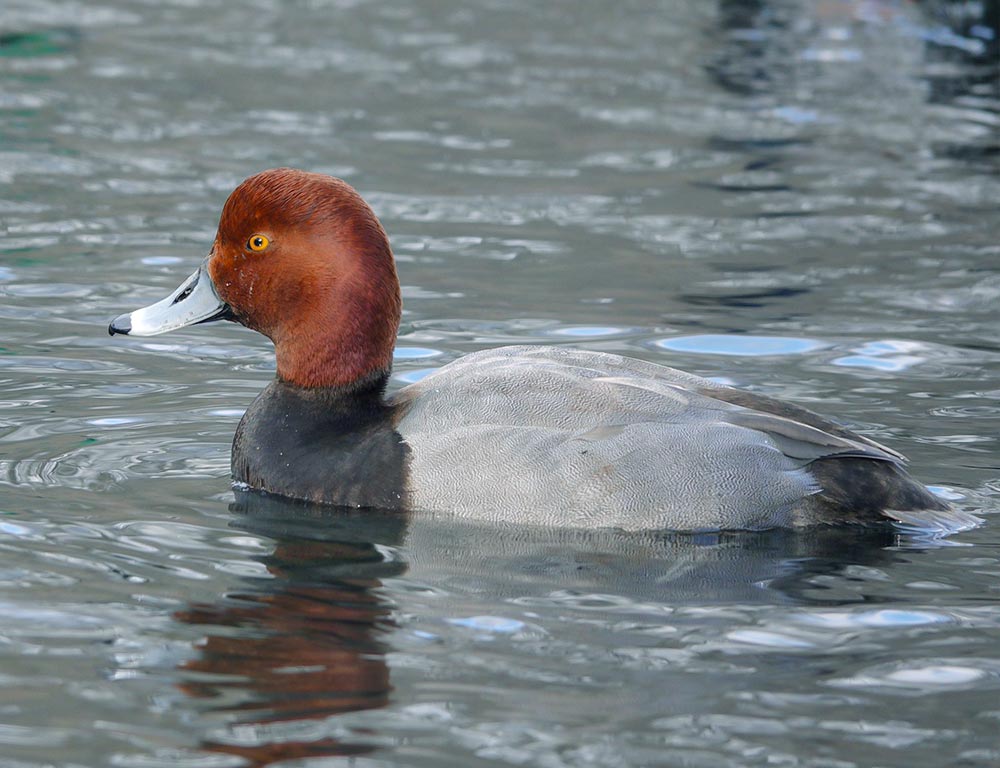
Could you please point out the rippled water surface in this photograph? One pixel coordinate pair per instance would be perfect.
(796, 197)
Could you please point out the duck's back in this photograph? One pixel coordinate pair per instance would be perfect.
(553, 435)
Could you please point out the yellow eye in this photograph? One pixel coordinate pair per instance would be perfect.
(257, 243)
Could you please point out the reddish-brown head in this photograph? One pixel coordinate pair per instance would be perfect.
(301, 258)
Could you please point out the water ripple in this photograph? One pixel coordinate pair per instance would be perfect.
(795, 197)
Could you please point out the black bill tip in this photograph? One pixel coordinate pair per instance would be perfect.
(121, 324)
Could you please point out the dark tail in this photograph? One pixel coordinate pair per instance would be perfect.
(864, 491)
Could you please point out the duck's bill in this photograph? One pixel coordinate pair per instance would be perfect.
(194, 301)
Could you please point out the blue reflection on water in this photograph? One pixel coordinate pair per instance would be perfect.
(886, 355)
(948, 494)
(589, 331)
(414, 353)
(411, 377)
(796, 115)
(746, 346)
(885, 617)
(498, 624)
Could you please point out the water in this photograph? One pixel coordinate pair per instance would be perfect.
(795, 197)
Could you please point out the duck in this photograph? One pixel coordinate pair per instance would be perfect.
(517, 435)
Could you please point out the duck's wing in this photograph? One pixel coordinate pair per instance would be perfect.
(806, 443)
(784, 413)
(571, 389)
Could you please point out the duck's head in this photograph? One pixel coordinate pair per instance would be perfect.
(301, 258)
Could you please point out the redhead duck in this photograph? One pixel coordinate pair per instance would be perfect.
(518, 434)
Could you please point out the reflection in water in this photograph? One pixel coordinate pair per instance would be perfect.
(771, 49)
(282, 656)
(963, 72)
(304, 646)
(753, 53)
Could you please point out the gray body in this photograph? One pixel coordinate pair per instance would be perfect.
(560, 436)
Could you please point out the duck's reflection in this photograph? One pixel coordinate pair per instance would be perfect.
(301, 647)
(283, 655)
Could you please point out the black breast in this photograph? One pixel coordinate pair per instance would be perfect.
(327, 446)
